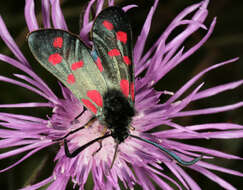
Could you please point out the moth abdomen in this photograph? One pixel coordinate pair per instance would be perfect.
(117, 114)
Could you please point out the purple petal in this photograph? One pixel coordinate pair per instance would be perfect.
(23, 125)
(26, 105)
(143, 179)
(8, 40)
(45, 8)
(198, 17)
(215, 178)
(185, 129)
(225, 134)
(20, 117)
(57, 16)
(140, 43)
(111, 2)
(30, 18)
(195, 78)
(176, 173)
(128, 7)
(86, 24)
(199, 44)
(87, 12)
(156, 65)
(179, 145)
(37, 85)
(5, 133)
(218, 126)
(59, 183)
(175, 109)
(170, 60)
(218, 89)
(30, 81)
(99, 7)
(177, 134)
(169, 179)
(25, 148)
(30, 72)
(160, 182)
(84, 33)
(13, 142)
(187, 178)
(40, 184)
(169, 29)
(12, 81)
(218, 168)
(25, 157)
(209, 110)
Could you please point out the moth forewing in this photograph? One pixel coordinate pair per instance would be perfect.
(65, 56)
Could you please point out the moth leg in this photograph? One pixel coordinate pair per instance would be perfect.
(80, 149)
(100, 147)
(74, 131)
(71, 132)
(75, 120)
(104, 132)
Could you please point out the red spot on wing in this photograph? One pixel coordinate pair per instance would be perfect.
(99, 65)
(121, 36)
(89, 105)
(114, 52)
(124, 86)
(132, 90)
(95, 96)
(70, 79)
(108, 25)
(127, 60)
(77, 65)
(55, 58)
(57, 42)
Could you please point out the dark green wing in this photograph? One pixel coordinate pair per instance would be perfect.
(112, 38)
(66, 56)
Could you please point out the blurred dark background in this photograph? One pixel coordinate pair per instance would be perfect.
(225, 43)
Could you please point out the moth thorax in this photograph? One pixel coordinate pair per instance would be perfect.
(117, 114)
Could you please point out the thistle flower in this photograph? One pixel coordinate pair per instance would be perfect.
(136, 162)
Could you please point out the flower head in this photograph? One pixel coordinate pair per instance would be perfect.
(137, 161)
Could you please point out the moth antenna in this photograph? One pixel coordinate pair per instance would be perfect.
(115, 155)
(170, 153)
(80, 149)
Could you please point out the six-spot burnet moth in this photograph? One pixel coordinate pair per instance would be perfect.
(102, 78)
